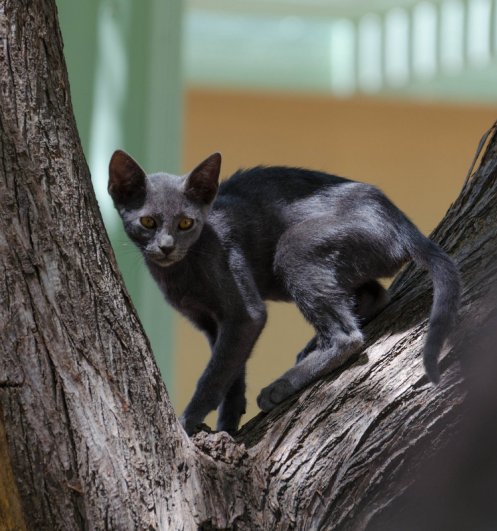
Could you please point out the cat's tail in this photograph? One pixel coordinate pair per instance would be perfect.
(446, 299)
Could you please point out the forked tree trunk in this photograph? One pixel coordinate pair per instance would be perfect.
(91, 437)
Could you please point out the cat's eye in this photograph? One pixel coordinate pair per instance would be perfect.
(185, 223)
(148, 222)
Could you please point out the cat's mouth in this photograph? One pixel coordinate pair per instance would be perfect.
(166, 261)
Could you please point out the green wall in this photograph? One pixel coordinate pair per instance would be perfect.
(124, 64)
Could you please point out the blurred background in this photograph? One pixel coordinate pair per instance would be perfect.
(396, 93)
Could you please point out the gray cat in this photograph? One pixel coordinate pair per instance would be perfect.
(287, 234)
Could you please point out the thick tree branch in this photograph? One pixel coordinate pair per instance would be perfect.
(345, 449)
(92, 409)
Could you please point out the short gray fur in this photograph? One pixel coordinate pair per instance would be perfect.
(274, 233)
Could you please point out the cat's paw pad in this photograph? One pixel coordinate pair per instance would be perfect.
(275, 393)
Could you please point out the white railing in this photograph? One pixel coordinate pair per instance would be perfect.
(429, 48)
(392, 49)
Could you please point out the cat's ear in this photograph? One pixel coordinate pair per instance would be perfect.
(202, 183)
(127, 181)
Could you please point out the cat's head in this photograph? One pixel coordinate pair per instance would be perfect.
(163, 214)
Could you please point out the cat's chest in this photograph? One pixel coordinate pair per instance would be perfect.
(192, 293)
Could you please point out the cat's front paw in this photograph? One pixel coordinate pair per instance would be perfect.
(228, 423)
(191, 425)
(275, 393)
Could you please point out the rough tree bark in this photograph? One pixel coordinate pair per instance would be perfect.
(91, 437)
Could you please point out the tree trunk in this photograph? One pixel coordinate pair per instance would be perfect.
(90, 433)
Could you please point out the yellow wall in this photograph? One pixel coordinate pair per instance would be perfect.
(417, 153)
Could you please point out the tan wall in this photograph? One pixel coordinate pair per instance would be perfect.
(417, 153)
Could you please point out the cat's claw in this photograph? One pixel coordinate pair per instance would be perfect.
(274, 394)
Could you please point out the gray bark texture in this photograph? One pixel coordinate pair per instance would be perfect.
(90, 435)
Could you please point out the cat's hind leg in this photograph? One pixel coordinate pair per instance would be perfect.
(310, 347)
(342, 339)
(312, 263)
(370, 298)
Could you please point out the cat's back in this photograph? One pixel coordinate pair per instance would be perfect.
(255, 207)
(270, 184)
(271, 198)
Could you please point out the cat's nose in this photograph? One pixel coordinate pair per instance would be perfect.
(166, 249)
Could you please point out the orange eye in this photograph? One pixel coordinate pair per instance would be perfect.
(148, 222)
(185, 223)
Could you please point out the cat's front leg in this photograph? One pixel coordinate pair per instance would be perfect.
(233, 346)
(231, 410)
(233, 406)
